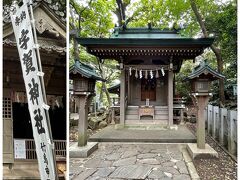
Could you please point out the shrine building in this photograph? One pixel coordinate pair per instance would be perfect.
(148, 59)
(19, 154)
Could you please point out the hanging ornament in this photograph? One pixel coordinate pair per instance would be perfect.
(140, 74)
(157, 74)
(163, 73)
(151, 74)
(136, 74)
(146, 75)
(130, 71)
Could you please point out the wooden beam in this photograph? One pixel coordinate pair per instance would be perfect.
(122, 98)
(170, 98)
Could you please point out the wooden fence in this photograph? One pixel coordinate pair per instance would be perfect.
(60, 149)
(222, 126)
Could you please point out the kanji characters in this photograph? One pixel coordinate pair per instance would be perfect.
(38, 118)
(34, 93)
(43, 147)
(27, 60)
(47, 170)
(24, 39)
(45, 159)
(18, 19)
(23, 15)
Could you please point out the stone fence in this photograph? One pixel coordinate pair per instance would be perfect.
(221, 124)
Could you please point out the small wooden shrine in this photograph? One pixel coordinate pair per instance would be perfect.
(148, 59)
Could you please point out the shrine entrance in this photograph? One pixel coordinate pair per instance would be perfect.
(148, 89)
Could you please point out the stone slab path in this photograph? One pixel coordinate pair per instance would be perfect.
(131, 161)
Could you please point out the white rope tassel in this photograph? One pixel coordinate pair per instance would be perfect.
(146, 74)
(151, 74)
(130, 71)
(163, 73)
(157, 74)
(140, 74)
(136, 74)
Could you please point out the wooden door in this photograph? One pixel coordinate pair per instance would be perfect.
(148, 89)
(8, 156)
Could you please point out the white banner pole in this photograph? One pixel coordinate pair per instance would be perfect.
(43, 87)
(35, 90)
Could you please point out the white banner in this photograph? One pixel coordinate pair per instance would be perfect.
(37, 109)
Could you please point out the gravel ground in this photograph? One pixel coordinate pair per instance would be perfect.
(223, 168)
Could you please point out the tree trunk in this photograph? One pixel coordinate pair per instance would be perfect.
(104, 87)
(101, 94)
(216, 51)
(76, 49)
(107, 93)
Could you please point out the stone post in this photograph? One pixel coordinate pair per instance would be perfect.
(170, 97)
(84, 101)
(200, 103)
(122, 98)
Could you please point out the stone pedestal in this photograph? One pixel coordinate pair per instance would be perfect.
(82, 152)
(207, 152)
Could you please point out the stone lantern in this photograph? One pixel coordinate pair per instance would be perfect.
(84, 78)
(200, 80)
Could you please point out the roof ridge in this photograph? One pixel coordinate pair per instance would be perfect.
(53, 5)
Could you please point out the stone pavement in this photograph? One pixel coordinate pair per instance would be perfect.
(132, 161)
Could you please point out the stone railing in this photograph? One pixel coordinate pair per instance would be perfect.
(221, 124)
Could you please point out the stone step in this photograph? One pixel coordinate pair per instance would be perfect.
(118, 133)
(161, 108)
(161, 116)
(132, 107)
(128, 112)
(132, 116)
(161, 112)
(132, 112)
(146, 122)
(157, 116)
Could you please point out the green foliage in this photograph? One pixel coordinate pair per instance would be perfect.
(95, 18)
(224, 26)
(182, 87)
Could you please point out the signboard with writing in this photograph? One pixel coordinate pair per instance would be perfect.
(37, 108)
(19, 149)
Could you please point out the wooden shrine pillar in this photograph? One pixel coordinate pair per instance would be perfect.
(170, 97)
(129, 88)
(122, 97)
(83, 101)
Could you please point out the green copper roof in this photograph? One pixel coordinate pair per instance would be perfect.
(203, 69)
(144, 33)
(135, 42)
(145, 37)
(160, 42)
(85, 70)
